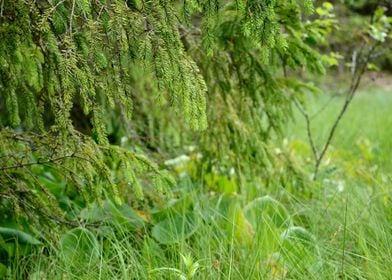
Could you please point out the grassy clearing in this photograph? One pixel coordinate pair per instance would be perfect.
(351, 214)
(340, 228)
(366, 128)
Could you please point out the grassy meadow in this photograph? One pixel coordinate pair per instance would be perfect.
(339, 227)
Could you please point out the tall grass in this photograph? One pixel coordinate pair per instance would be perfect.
(339, 229)
(352, 229)
(366, 125)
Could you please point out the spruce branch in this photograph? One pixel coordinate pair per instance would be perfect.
(42, 162)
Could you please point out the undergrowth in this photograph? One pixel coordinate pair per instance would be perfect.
(340, 227)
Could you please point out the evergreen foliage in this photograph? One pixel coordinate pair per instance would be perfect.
(98, 97)
(67, 65)
(250, 54)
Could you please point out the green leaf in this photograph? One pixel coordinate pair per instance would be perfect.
(328, 6)
(222, 184)
(267, 208)
(79, 246)
(47, 180)
(239, 227)
(299, 234)
(120, 215)
(300, 248)
(37, 275)
(14, 249)
(17, 235)
(3, 271)
(175, 229)
(126, 216)
(173, 207)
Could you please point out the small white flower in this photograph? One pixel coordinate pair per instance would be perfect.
(191, 148)
(340, 186)
(178, 160)
(123, 140)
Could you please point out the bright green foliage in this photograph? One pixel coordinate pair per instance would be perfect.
(85, 88)
(66, 66)
(59, 55)
(79, 247)
(44, 170)
(250, 54)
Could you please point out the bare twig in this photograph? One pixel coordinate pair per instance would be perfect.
(2, 8)
(354, 62)
(357, 74)
(53, 160)
(350, 95)
(70, 20)
(308, 128)
(323, 108)
(358, 69)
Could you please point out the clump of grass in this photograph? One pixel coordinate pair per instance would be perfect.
(351, 230)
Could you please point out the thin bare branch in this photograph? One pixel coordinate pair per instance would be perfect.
(71, 19)
(355, 82)
(308, 129)
(53, 160)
